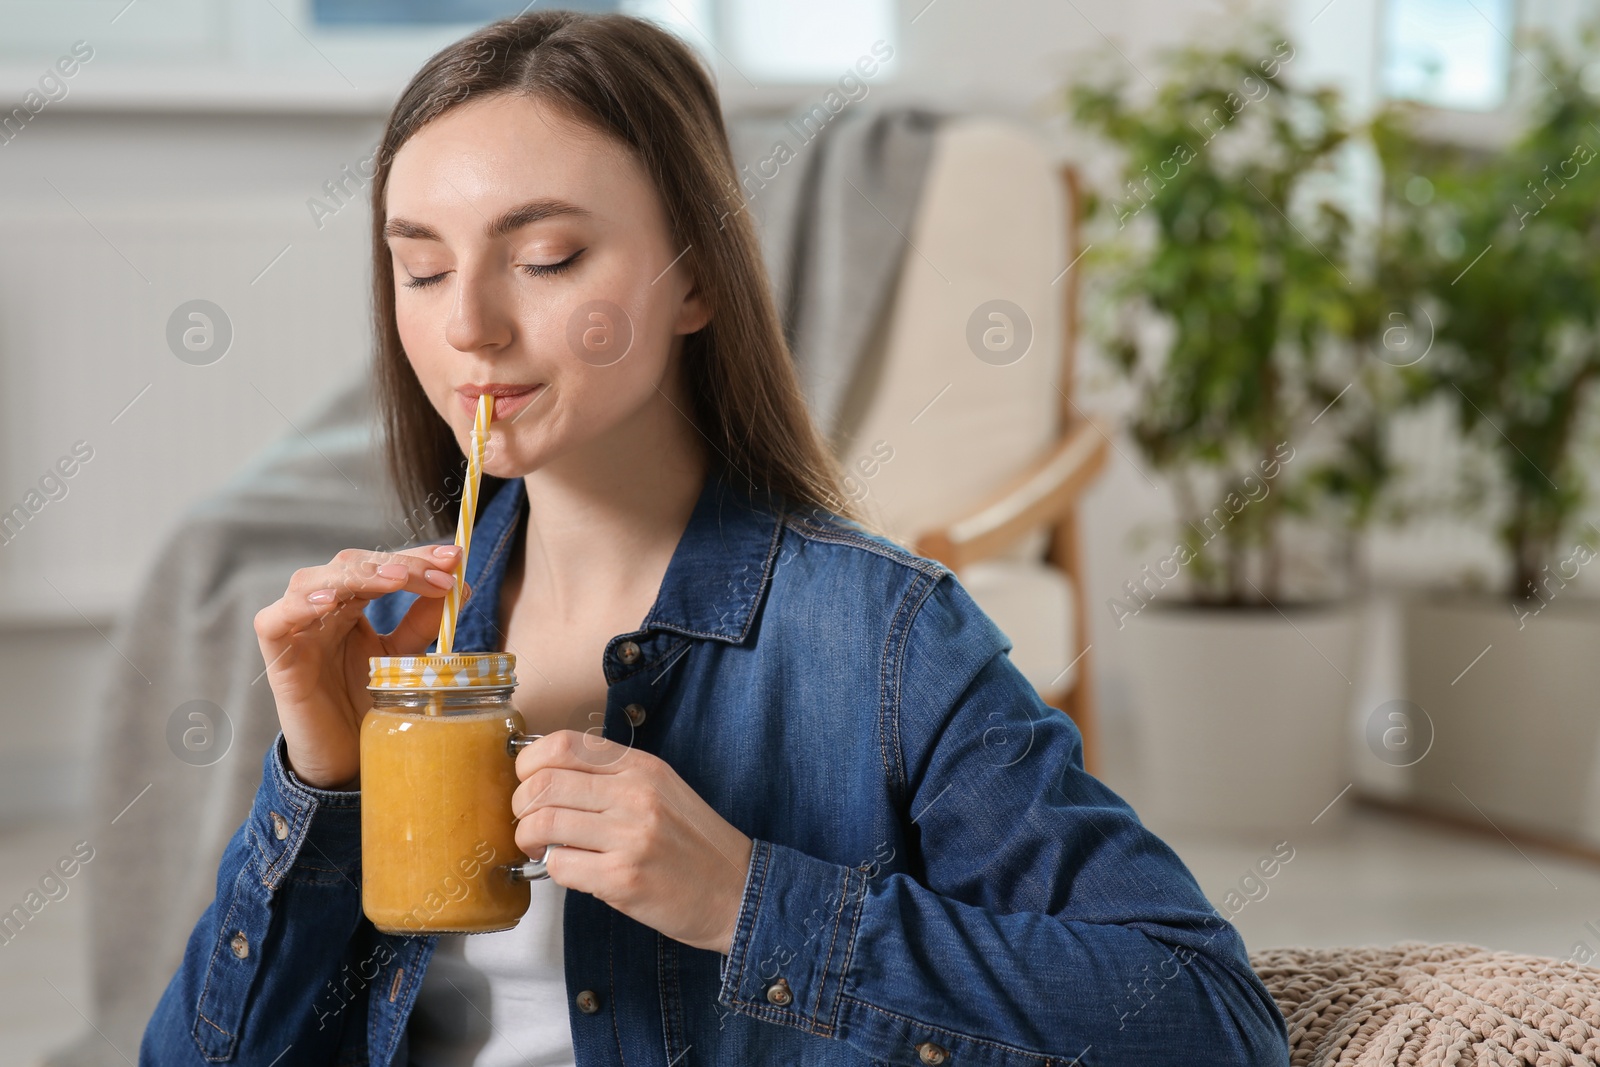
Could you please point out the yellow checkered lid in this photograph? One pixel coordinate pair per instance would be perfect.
(477, 669)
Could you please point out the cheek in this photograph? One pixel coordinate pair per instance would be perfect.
(601, 321)
(594, 399)
(604, 343)
(422, 339)
(585, 403)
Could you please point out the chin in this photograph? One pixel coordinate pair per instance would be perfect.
(514, 462)
(508, 471)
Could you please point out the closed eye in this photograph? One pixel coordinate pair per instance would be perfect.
(423, 283)
(541, 270)
(537, 270)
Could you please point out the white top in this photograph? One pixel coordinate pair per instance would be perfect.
(500, 999)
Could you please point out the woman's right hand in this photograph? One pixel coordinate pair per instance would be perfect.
(316, 641)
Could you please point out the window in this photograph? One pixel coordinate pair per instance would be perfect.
(1447, 53)
(685, 17)
(803, 41)
(431, 12)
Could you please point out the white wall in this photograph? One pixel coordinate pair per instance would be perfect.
(152, 210)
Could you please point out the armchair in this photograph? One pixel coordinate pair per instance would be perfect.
(977, 460)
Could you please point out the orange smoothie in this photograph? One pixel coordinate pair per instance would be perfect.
(436, 822)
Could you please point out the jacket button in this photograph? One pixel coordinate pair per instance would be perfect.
(628, 652)
(280, 826)
(588, 1003)
(240, 945)
(779, 993)
(635, 713)
(931, 1053)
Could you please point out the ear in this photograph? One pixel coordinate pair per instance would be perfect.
(693, 313)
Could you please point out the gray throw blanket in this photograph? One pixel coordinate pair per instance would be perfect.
(835, 219)
(190, 629)
(190, 632)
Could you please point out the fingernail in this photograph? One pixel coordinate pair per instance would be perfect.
(321, 596)
(392, 570)
(439, 578)
(445, 551)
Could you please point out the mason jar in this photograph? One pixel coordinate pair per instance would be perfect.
(438, 755)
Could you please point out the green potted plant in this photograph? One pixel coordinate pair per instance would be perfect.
(1501, 249)
(1235, 310)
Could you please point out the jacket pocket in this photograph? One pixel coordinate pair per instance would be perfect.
(236, 959)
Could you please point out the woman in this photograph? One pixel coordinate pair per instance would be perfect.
(808, 810)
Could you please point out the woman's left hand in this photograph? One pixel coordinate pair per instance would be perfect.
(635, 836)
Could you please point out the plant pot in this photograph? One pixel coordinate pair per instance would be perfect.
(1242, 715)
(1517, 731)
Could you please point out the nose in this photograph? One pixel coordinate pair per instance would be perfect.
(480, 316)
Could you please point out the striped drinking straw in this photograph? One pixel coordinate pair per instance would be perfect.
(469, 509)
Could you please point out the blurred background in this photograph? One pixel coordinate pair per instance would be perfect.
(1240, 358)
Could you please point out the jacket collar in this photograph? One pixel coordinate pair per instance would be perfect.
(713, 585)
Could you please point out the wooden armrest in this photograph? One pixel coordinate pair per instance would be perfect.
(1043, 493)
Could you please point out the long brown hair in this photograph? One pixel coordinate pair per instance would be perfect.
(636, 82)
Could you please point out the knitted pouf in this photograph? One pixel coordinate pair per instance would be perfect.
(1432, 1005)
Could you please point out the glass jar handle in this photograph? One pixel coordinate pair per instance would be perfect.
(529, 870)
(517, 742)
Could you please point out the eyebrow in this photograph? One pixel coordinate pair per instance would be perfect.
(514, 219)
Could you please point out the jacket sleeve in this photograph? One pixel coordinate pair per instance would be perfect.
(256, 975)
(1040, 923)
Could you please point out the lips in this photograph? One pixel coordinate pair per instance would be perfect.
(509, 397)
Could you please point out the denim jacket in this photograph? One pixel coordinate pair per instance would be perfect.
(935, 879)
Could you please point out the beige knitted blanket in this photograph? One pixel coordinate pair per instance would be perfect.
(1426, 1005)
